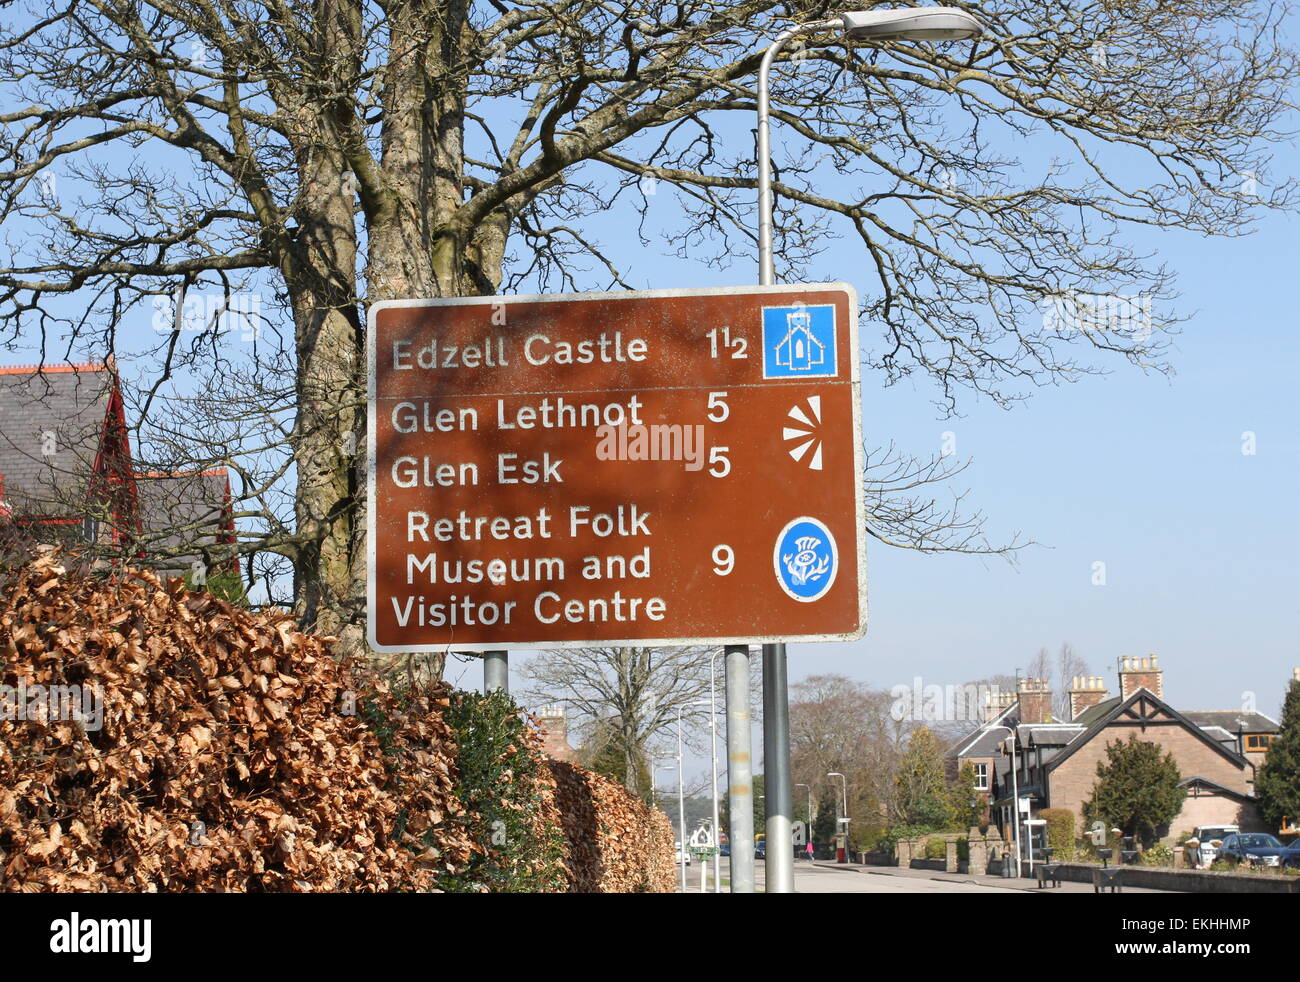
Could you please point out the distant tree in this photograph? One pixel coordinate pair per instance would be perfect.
(964, 801)
(838, 724)
(920, 791)
(1278, 783)
(606, 753)
(1136, 789)
(622, 698)
(1058, 672)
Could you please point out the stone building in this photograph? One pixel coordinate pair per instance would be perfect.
(1217, 752)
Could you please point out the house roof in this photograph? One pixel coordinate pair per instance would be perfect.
(180, 509)
(1234, 721)
(1096, 721)
(1050, 735)
(984, 742)
(1100, 711)
(1220, 734)
(52, 419)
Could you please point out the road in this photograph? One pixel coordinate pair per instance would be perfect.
(826, 878)
(820, 878)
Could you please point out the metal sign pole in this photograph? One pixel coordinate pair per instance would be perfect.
(740, 788)
(779, 863)
(496, 671)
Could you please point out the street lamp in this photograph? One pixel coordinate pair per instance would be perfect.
(713, 753)
(844, 791)
(681, 791)
(808, 830)
(910, 24)
(1015, 792)
(654, 778)
(915, 24)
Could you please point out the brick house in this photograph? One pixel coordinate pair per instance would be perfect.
(67, 475)
(1056, 760)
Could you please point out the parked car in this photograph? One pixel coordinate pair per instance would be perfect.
(1203, 846)
(760, 849)
(1258, 849)
(677, 854)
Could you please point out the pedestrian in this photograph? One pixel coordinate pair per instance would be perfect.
(809, 850)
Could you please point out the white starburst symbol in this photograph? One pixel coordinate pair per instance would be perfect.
(801, 434)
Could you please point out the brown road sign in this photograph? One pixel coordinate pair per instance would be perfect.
(660, 467)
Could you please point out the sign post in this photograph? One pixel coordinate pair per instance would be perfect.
(664, 467)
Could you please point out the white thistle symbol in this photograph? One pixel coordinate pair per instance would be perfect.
(804, 564)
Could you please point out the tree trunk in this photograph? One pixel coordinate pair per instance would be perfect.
(417, 248)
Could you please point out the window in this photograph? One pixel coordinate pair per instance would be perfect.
(981, 777)
(1258, 741)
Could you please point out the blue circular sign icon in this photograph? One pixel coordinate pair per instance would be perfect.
(805, 559)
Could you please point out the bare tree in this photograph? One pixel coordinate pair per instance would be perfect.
(841, 725)
(1058, 672)
(334, 153)
(627, 696)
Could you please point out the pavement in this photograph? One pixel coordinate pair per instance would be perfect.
(825, 877)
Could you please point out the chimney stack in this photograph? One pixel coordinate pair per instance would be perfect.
(1085, 692)
(555, 733)
(995, 701)
(1035, 701)
(1140, 673)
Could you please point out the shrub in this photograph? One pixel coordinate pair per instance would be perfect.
(233, 753)
(935, 848)
(1158, 855)
(509, 796)
(226, 584)
(1060, 831)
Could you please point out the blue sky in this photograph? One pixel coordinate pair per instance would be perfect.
(1140, 471)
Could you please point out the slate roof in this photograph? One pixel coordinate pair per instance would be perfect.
(1234, 721)
(1050, 736)
(1100, 716)
(986, 739)
(51, 420)
(1099, 711)
(183, 507)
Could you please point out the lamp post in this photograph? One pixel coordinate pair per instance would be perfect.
(908, 24)
(681, 801)
(681, 793)
(654, 778)
(844, 815)
(808, 830)
(1015, 793)
(713, 772)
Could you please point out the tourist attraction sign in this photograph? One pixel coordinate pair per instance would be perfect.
(658, 467)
